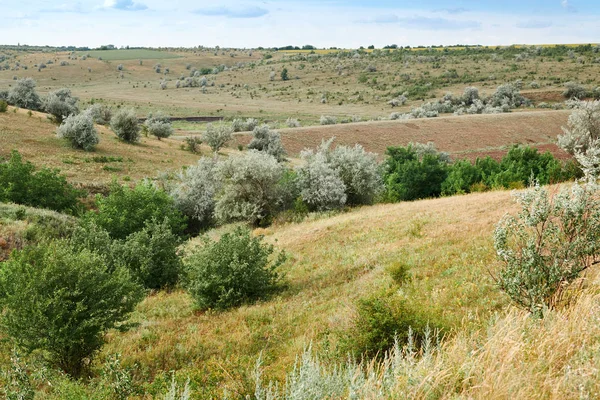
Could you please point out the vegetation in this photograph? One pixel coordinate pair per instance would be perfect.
(216, 136)
(232, 271)
(125, 125)
(45, 289)
(268, 141)
(24, 95)
(158, 125)
(61, 104)
(79, 130)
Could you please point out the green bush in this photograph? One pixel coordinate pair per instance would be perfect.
(125, 211)
(151, 255)
(382, 319)
(62, 302)
(125, 125)
(3, 106)
(409, 177)
(20, 183)
(233, 271)
(461, 177)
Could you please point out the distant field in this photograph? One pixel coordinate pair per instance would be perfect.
(468, 136)
(133, 54)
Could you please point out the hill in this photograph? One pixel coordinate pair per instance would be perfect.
(467, 136)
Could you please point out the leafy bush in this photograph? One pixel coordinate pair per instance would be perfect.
(216, 136)
(3, 106)
(384, 319)
(521, 163)
(79, 130)
(548, 245)
(328, 120)
(268, 141)
(409, 177)
(151, 255)
(292, 123)
(23, 95)
(20, 183)
(62, 302)
(249, 189)
(461, 177)
(61, 104)
(574, 90)
(321, 187)
(582, 133)
(195, 192)
(125, 211)
(233, 271)
(159, 125)
(192, 143)
(101, 114)
(125, 125)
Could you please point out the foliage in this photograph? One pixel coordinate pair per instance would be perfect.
(20, 183)
(216, 136)
(548, 245)
(574, 90)
(124, 123)
(192, 143)
(101, 114)
(151, 255)
(284, 74)
(409, 177)
(321, 187)
(23, 95)
(158, 125)
(249, 189)
(384, 319)
(3, 106)
(195, 191)
(232, 271)
(79, 130)
(328, 120)
(62, 302)
(125, 211)
(61, 104)
(268, 141)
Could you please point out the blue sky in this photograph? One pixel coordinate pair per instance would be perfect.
(324, 23)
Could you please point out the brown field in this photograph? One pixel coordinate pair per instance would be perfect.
(467, 136)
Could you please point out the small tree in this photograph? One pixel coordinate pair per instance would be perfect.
(60, 104)
(79, 130)
(574, 90)
(101, 114)
(195, 192)
(284, 74)
(250, 188)
(321, 187)
(359, 171)
(268, 141)
(23, 95)
(216, 136)
(233, 271)
(125, 125)
(62, 301)
(159, 125)
(548, 245)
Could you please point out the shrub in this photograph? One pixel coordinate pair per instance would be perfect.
(101, 114)
(470, 95)
(507, 95)
(284, 75)
(79, 130)
(359, 171)
(125, 125)
(268, 141)
(249, 189)
(20, 183)
(125, 211)
(3, 106)
(195, 192)
(522, 163)
(216, 136)
(321, 187)
(583, 129)
(23, 95)
(574, 90)
(159, 125)
(328, 120)
(233, 271)
(384, 319)
(409, 177)
(151, 255)
(548, 245)
(292, 123)
(62, 302)
(193, 143)
(461, 177)
(60, 104)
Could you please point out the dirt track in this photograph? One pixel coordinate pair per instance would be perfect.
(466, 136)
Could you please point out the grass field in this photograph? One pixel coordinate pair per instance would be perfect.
(129, 54)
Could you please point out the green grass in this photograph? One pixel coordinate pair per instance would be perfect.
(132, 54)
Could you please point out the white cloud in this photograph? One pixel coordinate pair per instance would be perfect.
(242, 12)
(125, 5)
(567, 5)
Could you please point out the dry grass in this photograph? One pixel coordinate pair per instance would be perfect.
(35, 138)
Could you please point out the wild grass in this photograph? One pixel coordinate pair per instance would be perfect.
(129, 54)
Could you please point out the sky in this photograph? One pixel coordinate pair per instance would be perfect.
(276, 23)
